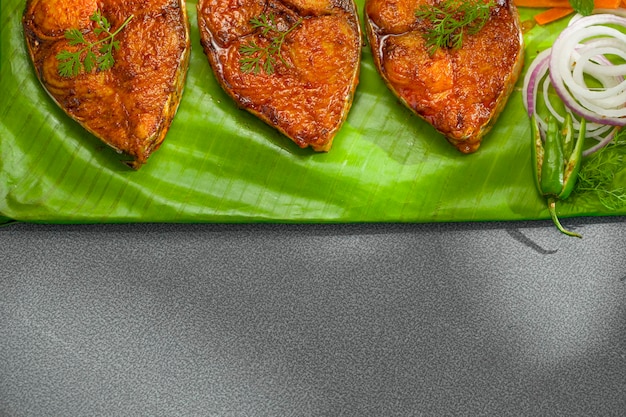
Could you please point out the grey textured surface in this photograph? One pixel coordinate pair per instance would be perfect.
(313, 320)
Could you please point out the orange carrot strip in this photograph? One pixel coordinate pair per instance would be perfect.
(599, 4)
(607, 4)
(553, 14)
(542, 3)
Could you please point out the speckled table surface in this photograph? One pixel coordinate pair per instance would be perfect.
(313, 320)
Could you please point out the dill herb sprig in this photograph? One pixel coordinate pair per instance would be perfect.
(598, 173)
(71, 63)
(449, 20)
(256, 58)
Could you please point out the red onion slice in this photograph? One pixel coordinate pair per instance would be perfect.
(586, 67)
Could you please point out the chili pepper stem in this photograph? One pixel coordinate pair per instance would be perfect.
(555, 219)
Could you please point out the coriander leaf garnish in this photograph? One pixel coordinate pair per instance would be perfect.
(256, 57)
(70, 63)
(449, 20)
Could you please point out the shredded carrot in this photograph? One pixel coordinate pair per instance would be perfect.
(557, 9)
(553, 14)
(607, 4)
(599, 4)
(542, 3)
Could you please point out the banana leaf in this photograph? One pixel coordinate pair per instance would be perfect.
(220, 164)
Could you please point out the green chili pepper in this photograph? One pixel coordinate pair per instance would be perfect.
(556, 162)
(553, 161)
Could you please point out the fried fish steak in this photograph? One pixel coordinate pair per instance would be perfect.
(309, 90)
(460, 92)
(130, 106)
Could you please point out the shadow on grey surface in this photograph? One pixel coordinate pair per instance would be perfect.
(311, 320)
(317, 228)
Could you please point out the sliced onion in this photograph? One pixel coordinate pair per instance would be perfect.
(536, 71)
(583, 51)
(602, 141)
(537, 82)
(566, 56)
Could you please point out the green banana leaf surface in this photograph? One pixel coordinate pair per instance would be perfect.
(220, 164)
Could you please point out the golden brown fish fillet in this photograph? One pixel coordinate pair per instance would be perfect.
(130, 106)
(460, 92)
(307, 97)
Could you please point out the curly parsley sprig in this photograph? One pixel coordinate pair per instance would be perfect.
(449, 20)
(256, 57)
(71, 63)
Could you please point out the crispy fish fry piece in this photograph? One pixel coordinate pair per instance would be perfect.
(460, 92)
(307, 90)
(131, 105)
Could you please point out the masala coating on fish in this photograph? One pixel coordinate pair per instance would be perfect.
(131, 105)
(307, 88)
(460, 92)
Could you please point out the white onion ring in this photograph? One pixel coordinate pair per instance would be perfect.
(565, 57)
(581, 52)
(537, 81)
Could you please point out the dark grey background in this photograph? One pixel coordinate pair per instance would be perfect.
(313, 320)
